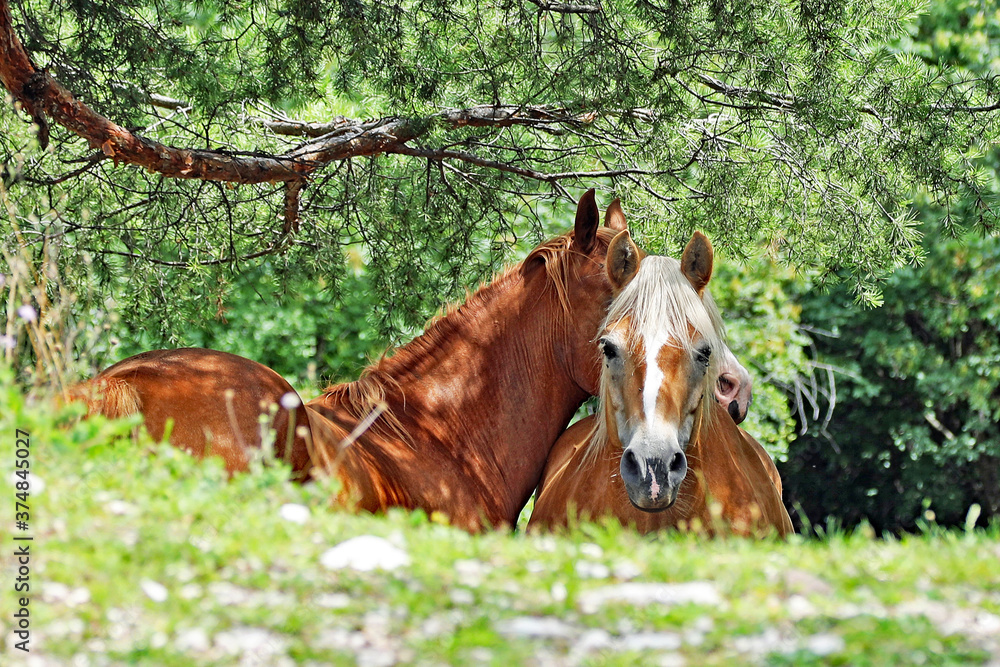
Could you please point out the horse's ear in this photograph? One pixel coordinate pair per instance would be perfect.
(614, 217)
(624, 257)
(696, 262)
(588, 218)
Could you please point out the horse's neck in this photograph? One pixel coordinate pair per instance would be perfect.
(481, 398)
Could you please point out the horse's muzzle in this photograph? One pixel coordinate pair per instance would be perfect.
(652, 481)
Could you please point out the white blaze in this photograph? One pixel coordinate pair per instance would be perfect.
(654, 378)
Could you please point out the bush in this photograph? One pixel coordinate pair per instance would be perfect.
(917, 422)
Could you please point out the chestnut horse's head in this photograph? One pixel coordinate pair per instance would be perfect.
(662, 346)
(575, 267)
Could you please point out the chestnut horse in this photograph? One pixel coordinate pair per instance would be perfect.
(459, 421)
(465, 414)
(217, 402)
(660, 453)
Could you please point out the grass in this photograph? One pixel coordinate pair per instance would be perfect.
(144, 556)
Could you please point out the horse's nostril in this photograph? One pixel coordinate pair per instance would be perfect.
(630, 465)
(678, 462)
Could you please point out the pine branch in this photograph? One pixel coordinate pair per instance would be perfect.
(42, 96)
(165, 102)
(542, 117)
(440, 155)
(777, 100)
(566, 8)
(788, 102)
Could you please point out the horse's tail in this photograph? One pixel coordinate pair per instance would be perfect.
(111, 397)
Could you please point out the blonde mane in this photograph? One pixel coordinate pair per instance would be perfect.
(364, 394)
(660, 302)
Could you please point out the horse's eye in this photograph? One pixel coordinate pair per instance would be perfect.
(609, 349)
(703, 354)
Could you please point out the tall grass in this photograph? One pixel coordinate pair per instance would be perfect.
(50, 333)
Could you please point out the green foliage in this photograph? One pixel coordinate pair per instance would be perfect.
(917, 420)
(800, 124)
(309, 333)
(915, 424)
(762, 322)
(958, 33)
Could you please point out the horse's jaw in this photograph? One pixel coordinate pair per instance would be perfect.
(654, 507)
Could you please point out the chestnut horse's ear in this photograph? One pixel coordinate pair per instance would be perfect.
(614, 217)
(588, 218)
(624, 257)
(696, 262)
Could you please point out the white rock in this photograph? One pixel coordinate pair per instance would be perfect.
(594, 639)
(545, 543)
(66, 628)
(192, 640)
(191, 591)
(260, 642)
(692, 592)
(436, 626)
(155, 591)
(227, 594)
(651, 641)
(78, 596)
(625, 570)
(333, 600)
(294, 512)
(770, 641)
(54, 592)
(799, 607)
(824, 644)
(535, 626)
(375, 657)
(364, 553)
(470, 572)
(122, 508)
(695, 635)
(590, 570)
(671, 660)
(535, 567)
(462, 596)
(36, 485)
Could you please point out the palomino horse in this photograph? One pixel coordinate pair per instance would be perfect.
(660, 454)
(465, 414)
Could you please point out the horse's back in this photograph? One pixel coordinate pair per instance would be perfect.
(214, 401)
